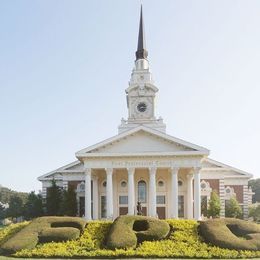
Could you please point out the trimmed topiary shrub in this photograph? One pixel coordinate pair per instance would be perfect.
(47, 228)
(59, 234)
(9, 231)
(128, 231)
(231, 233)
(183, 241)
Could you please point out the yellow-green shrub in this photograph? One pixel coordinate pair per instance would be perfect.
(129, 231)
(183, 242)
(7, 232)
(28, 237)
(231, 233)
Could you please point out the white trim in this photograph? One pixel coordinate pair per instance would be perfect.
(225, 167)
(180, 153)
(60, 170)
(82, 153)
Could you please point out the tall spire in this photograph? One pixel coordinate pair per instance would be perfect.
(141, 52)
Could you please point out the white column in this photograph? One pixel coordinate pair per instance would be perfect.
(174, 189)
(197, 192)
(152, 192)
(95, 197)
(88, 194)
(109, 195)
(131, 191)
(189, 199)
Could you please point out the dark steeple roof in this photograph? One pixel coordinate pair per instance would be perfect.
(141, 52)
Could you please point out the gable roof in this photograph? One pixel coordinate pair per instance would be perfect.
(99, 149)
(75, 166)
(210, 164)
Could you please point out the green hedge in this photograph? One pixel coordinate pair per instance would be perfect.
(128, 231)
(28, 237)
(58, 234)
(231, 233)
(9, 231)
(182, 242)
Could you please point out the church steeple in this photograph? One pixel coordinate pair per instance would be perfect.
(141, 91)
(141, 52)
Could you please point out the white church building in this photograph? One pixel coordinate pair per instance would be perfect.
(172, 178)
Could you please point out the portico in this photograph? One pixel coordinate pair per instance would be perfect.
(161, 180)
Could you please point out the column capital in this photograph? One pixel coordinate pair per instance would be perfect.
(109, 171)
(87, 171)
(130, 171)
(95, 177)
(196, 170)
(174, 170)
(190, 176)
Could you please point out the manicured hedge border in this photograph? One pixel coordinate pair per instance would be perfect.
(36, 232)
(231, 233)
(184, 242)
(128, 231)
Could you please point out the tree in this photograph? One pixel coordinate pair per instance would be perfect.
(6, 194)
(204, 206)
(214, 205)
(2, 211)
(232, 208)
(53, 199)
(69, 202)
(33, 207)
(15, 207)
(254, 212)
(255, 185)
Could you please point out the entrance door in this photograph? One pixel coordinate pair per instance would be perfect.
(161, 209)
(122, 204)
(123, 211)
(142, 196)
(161, 212)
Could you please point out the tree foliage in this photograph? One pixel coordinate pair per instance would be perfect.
(15, 207)
(254, 212)
(204, 206)
(214, 205)
(255, 185)
(6, 194)
(69, 202)
(33, 207)
(53, 200)
(2, 211)
(233, 209)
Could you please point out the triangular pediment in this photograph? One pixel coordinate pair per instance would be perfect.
(229, 171)
(142, 140)
(75, 167)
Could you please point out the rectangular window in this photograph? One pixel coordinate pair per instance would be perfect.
(123, 200)
(160, 199)
(181, 206)
(103, 206)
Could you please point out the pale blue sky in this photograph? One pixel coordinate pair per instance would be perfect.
(64, 66)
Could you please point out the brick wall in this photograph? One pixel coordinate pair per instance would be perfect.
(238, 189)
(214, 184)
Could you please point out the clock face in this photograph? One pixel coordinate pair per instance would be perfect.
(141, 107)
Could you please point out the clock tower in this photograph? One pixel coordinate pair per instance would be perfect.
(141, 91)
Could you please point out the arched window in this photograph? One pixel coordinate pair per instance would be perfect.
(142, 191)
